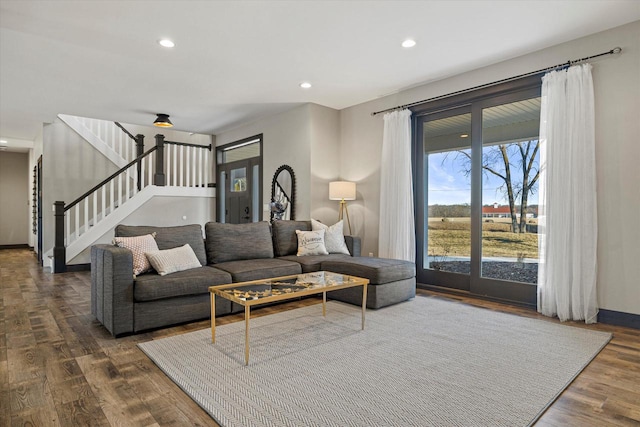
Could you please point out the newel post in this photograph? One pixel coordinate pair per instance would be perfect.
(158, 178)
(139, 152)
(59, 250)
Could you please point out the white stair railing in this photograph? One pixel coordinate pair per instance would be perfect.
(102, 200)
(181, 165)
(186, 165)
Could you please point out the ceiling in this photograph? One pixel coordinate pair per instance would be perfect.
(237, 61)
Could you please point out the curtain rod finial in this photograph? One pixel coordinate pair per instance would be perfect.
(617, 50)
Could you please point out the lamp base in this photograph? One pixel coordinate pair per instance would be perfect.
(343, 209)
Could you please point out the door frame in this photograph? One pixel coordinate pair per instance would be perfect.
(475, 102)
(39, 208)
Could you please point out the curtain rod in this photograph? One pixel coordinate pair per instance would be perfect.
(615, 50)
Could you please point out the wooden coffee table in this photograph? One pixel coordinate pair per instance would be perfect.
(282, 288)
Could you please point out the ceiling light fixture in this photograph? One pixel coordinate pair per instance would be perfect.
(163, 121)
(464, 135)
(408, 43)
(2, 141)
(305, 85)
(166, 43)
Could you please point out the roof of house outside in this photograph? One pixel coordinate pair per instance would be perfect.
(496, 210)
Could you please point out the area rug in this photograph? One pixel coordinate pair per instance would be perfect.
(425, 362)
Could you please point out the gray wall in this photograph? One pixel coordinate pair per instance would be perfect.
(150, 132)
(70, 167)
(286, 140)
(307, 139)
(617, 98)
(14, 198)
(325, 162)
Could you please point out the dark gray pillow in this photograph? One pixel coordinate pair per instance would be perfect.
(170, 237)
(234, 242)
(285, 240)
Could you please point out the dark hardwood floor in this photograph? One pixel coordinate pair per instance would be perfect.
(58, 366)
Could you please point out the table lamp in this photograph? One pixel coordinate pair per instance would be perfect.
(343, 191)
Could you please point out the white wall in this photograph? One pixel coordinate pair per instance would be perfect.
(14, 198)
(617, 97)
(286, 140)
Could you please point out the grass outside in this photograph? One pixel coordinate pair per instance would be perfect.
(453, 238)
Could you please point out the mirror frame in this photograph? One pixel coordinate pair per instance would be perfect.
(292, 198)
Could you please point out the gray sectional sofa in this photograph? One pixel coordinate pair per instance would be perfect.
(125, 304)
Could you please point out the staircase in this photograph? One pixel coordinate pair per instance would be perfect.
(109, 138)
(167, 169)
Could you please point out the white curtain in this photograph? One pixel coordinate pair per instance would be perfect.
(397, 227)
(567, 222)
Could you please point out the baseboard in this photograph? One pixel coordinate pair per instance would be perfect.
(619, 318)
(78, 267)
(15, 247)
(609, 317)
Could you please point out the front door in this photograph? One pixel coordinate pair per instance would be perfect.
(237, 181)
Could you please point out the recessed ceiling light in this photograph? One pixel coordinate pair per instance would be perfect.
(2, 141)
(305, 85)
(166, 43)
(408, 43)
(464, 135)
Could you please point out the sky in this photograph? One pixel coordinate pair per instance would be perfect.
(448, 184)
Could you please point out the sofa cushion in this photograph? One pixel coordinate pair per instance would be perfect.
(311, 263)
(256, 269)
(171, 260)
(235, 242)
(285, 241)
(378, 270)
(150, 287)
(170, 237)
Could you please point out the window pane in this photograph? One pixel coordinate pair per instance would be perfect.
(238, 180)
(510, 159)
(242, 152)
(447, 162)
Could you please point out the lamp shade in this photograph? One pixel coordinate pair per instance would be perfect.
(163, 121)
(342, 190)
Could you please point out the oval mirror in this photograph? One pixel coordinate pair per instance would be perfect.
(283, 192)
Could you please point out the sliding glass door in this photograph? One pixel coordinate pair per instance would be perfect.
(476, 194)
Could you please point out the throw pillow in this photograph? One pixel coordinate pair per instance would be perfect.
(311, 243)
(138, 246)
(172, 260)
(333, 237)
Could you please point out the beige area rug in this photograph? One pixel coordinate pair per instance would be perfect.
(425, 362)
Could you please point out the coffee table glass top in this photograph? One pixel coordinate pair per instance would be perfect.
(286, 286)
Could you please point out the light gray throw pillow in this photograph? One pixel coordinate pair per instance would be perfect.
(333, 236)
(172, 260)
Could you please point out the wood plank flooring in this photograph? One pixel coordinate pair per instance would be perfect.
(60, 367)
